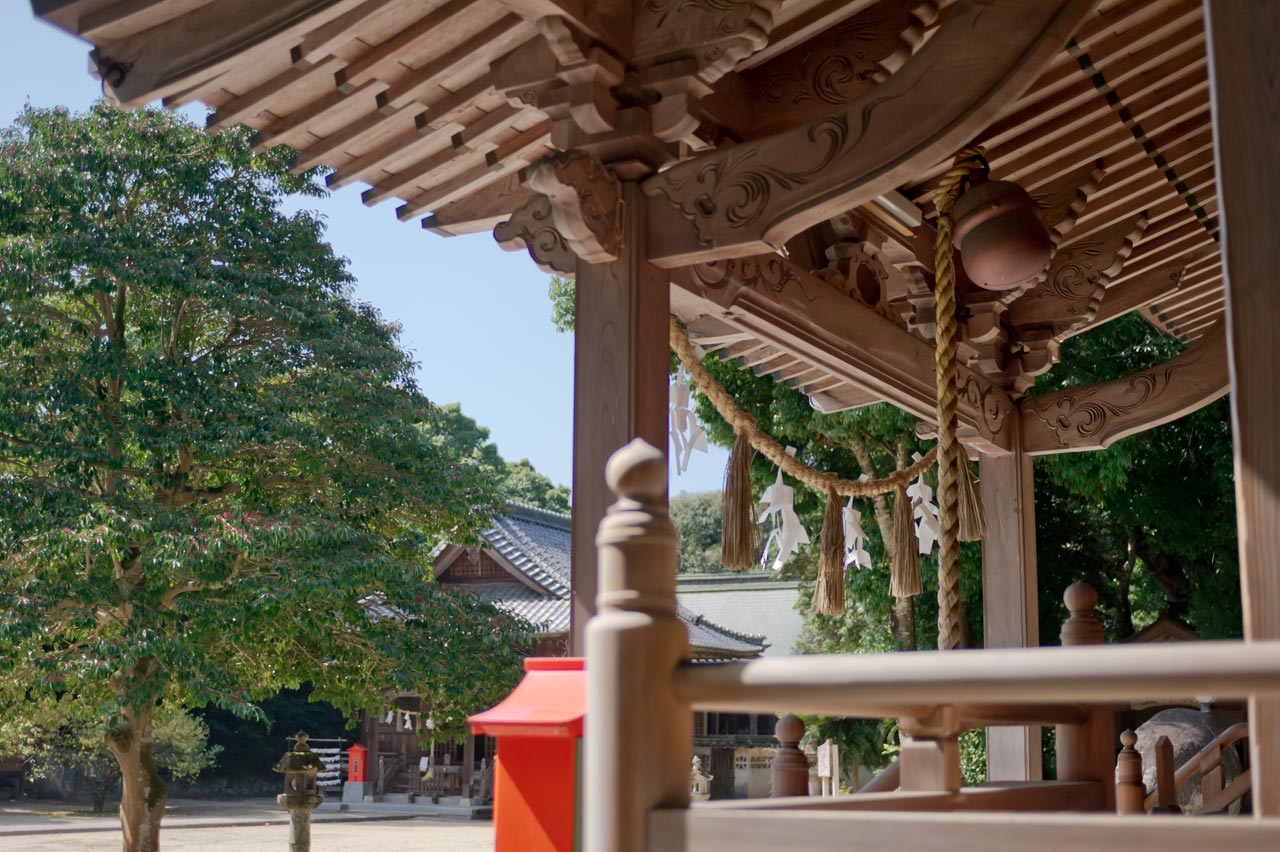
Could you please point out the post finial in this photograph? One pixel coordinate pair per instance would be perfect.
(638, 472)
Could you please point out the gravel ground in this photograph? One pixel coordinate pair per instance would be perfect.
(418, 834)
(245, 826)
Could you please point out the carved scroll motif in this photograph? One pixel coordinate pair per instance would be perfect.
(990, 406)
(532, 227)
(1061, 202)
(715, 34)
(766, 274)
(1071, 293)
(739, 188)
(586, 203)
(1085, 414)
(1092, 417)
(839, 65)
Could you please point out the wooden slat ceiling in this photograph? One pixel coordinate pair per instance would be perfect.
(396, 94)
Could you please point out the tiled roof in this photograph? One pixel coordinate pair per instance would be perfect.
(759, 603)
(537, 543)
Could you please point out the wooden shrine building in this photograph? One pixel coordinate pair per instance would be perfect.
(768, 173)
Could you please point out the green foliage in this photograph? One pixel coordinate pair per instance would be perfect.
(523, 484)
(59, 733)
(1150, 521)
(973, 757)
(560, 292)
(251, 747)
(214, 463)
(697, 520)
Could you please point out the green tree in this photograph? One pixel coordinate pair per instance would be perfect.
(697, 520)
(523, 484)
(61, 733)
(219, 477)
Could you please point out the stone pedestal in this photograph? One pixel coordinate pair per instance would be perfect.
(299, 808)
(354, 792)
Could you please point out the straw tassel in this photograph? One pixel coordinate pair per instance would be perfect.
(904, 569)
(738, 541)
(973, 520)
(828, 594)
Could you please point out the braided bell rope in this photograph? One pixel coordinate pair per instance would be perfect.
(764, 443)
(967, 162)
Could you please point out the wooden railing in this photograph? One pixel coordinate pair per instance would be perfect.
(1131, 796)
(639, 731)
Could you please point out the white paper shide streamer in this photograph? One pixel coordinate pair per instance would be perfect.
(855, 539)
(925, 512)
(786, 533)
(686, 435)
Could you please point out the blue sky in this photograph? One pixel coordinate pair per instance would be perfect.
(476, 318)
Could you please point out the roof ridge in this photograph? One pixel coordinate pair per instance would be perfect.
(696, 617)
(529, 509)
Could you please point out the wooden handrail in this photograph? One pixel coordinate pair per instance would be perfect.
(867, 684)
(1205, 761)
(886, 781)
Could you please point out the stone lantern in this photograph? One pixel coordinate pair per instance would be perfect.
(699, 782)
(300, 766)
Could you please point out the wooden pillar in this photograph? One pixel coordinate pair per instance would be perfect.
(1086, 752)
(639, 736)
(1010, 607)
(621, 312)
(1244, 63)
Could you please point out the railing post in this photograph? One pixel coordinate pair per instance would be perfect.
(1166, 781)
(1130, 791)
(639, 736)
(1086, 752)
(790, 766)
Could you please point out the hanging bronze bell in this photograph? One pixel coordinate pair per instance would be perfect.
(1001, 239)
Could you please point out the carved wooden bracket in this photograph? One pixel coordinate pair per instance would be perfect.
(1094, 417)
(577, 213)
(682, 47)
(532, 226)
(810, 80)
(749, 198)
(1071, 293)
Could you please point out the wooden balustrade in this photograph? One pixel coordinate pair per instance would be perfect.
(864, 685)
(1130, 789)
(790, 766)
(1086, 751)
(1166, 792)
(1216, 796)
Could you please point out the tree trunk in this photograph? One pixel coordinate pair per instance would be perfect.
(904, 623)
(142, 793)
(1124, 606)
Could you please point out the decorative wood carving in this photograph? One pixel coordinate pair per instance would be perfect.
(586, 201)
(715, 34)
(858, 271)
(1093, 417)
(532, 226)
(1141, 290)
(1062, 201)
(1076, 281)
(794, 311)
(750, 197)
(843, 63)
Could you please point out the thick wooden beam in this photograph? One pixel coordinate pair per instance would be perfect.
(605, 21)
(780, 304)
(1095, 416)
(621, 312)
(204, 43)
(1244, 53)
(748, 198)
(1010, 602)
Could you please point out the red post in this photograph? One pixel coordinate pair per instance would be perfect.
(357, 763)
(539, 733)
